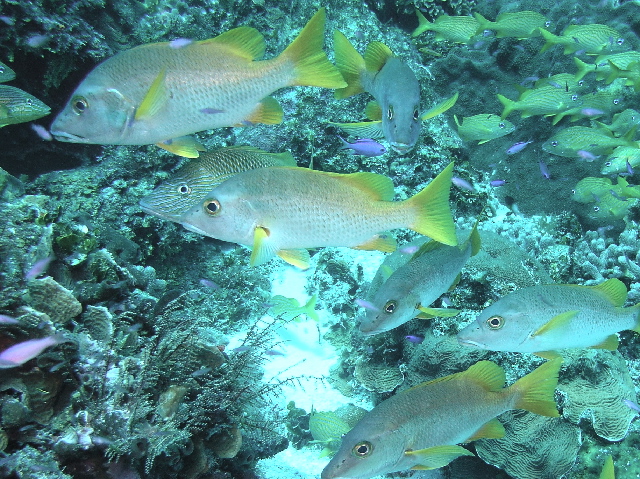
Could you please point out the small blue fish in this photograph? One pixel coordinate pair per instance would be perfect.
(414, 339)
(364, 146)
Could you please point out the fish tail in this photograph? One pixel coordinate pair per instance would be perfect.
(483, 23)
(614, 75)
(310, 308)
(583, 68)
(549, 38)
(534, 392)
(311, 65)
(350, 64)
(433, 213)
(423, 24)
(509, 106)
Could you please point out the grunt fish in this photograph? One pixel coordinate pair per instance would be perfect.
(191, 183)
(592, 38)
(17, 106)
(603, 65)
(289, 309)
(408, 290)
(597, 141)
(6, 73)
(483, 127)
(392, 84)
(283, 211)
(520, 25)
(621, 159)
(546, 100)
(454, 29)
(419, 428)
(545, 318)
(157, 94)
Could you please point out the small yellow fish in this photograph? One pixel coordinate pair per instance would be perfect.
(158, 93)
(592, 106)
(621, 159)
(451, 28)
(546, 318)
(607, 201)
(483, 127)
(289, 309)
(520, 25)
(6, 73)
(393, 85)
(191, 183)
(283, 211)
(602, 65)
(419, 428)
(546, 100)
(17, 106)
(623, 122)
(585, 142)
(592, 38)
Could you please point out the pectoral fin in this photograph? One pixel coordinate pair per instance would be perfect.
(490, 430)
(610, 343)
(440, 107)
(428, 313)
(263, 249)
(549, 355)
(556, 322)
(364, 129)
(155, 99)
(373, 111)
(380, 242)
(296, 257)
(267, 111)
(438, 456)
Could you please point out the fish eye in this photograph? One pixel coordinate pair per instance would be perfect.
(581, 82)
(495, 322)
(390, 113)
(573, 192)
(211, 207)
(620, 41)
(502, 125)
(416, 115)
(79, 104)
(554, 143)
(184, 189)
(362, 449)
(574, 97)
(547, 24)
(390, 306)
(608, 163)
(616, 101)
(596, 209)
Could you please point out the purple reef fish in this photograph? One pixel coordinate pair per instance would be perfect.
(38, 268)
(518, 147)
(364, 146)
(498, 182)
(20, 353)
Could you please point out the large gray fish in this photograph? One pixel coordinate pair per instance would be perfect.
(420, 427)
(411, 288)
(544, 318)
(191, 183)
(158, 93)
(17, 106)
(393, 85)
(6, 73)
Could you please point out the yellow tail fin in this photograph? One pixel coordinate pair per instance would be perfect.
(311, 64)
(434, 218)
(534, 392)
(350, 63)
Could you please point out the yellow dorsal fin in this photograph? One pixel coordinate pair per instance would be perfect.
(373, 111)
(350, 64)
(376, 55)
(490, 430)
(488, 374)
(186, 146)
(381, 242)
(311, 67)
(363, 129)
(430, 245)
(440, 107)
(155, 98)
(437, 456)
(246, 42)
(296, 257)
(608, 471)
(610, 343)
(556, 322)
(378, 186)
(268, 111)
(614, 290)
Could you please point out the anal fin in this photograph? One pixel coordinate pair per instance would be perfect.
(489, 430)
(437, 456)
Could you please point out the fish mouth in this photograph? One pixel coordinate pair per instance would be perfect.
(194, 229)
(473, 344)
(401, 148)
(68, 137)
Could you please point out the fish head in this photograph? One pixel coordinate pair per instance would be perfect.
(400, 103)
(224, 213)
(173, 198)
(503, 326)
(364, 454)
(94, 114)
(392, 309)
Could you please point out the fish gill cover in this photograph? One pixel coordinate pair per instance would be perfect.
(134, 348)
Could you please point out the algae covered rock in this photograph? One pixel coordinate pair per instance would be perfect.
(50, 297)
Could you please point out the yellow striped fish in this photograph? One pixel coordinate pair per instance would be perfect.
(158, 93)
(17, 106)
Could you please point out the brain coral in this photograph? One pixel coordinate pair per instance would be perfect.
(594, 384)
(534, 447)
(380, 379)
